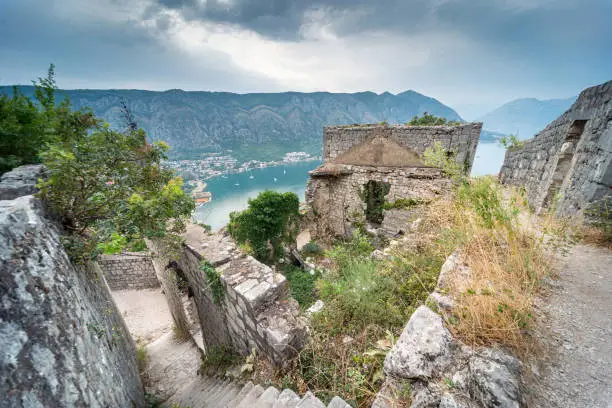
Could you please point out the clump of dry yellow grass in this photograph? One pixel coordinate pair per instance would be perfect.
(494, 305)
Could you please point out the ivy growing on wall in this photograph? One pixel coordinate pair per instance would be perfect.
(214, 282)
(373, 195)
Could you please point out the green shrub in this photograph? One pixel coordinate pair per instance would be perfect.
(142, 357)
(108, 187)
(431, 120)
(358, 296)
(301, 285)
(27, 126)
(266, 223)
(511, 142)
(217, 359)
(484, 196)
(599, 215)
(312, 248)
(438, 156)
(359, 247)
(373, 195)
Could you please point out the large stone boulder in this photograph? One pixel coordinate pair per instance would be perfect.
(424, 350)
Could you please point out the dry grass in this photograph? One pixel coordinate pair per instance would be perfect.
(507, 261)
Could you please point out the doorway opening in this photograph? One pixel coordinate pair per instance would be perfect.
(564, 161)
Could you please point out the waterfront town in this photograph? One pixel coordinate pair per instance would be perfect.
(194, 172)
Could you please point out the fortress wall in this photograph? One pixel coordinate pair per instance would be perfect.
(569, 163)
(129, 271)
(63, 340)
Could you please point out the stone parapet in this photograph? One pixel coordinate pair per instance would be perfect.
(254, 312)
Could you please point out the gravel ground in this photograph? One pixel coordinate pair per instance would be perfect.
(575, 367)
(145, 312)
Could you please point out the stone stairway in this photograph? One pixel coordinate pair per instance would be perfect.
(210, 392)
(172, 377)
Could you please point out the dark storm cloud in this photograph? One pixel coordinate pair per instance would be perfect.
(473, 48)
(99, 54)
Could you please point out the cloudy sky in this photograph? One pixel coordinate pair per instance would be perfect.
(470, 54)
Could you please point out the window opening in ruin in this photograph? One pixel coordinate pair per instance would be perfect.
(564, 161)
(374, 193)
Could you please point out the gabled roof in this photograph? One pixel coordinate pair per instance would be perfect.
(380, 151)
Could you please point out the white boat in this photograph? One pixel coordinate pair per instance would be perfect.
(275, 179)
(251, 177)
(237, 184)
(284, 171)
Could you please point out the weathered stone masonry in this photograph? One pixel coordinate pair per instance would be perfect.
(571, 159)
(461, 139)
(388, 155)
(63, 342)
(255, 311)
(132, 270)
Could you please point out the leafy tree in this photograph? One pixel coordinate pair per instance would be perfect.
(431, 120)
(27, 127)
(266, 223)
(108, 188)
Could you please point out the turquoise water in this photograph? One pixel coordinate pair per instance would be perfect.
(231, 192)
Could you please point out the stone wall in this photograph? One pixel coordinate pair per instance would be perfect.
(571, 159)
(355, 155)
(254, 312)
(63, 341)
(336, 199)
(132, 270)
(461, 139)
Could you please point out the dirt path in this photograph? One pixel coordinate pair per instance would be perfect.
(576, 367)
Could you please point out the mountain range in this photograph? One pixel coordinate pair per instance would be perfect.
(265, 126)
(525, 117)
(260, 126)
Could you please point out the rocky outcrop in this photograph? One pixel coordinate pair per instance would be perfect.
(20, 182)
(63, 342)
(432, 369)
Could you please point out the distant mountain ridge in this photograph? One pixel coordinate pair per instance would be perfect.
(258, 125)
(525, 117)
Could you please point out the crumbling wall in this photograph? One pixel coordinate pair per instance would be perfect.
(63, 341)
(336, 198)
(461, 139)
(254, 311)
(569, 163)
(133, 270)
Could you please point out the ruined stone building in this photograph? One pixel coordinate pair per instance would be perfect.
(367, 165)
(569, 163)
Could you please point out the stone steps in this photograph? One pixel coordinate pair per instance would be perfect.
(216, 393)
